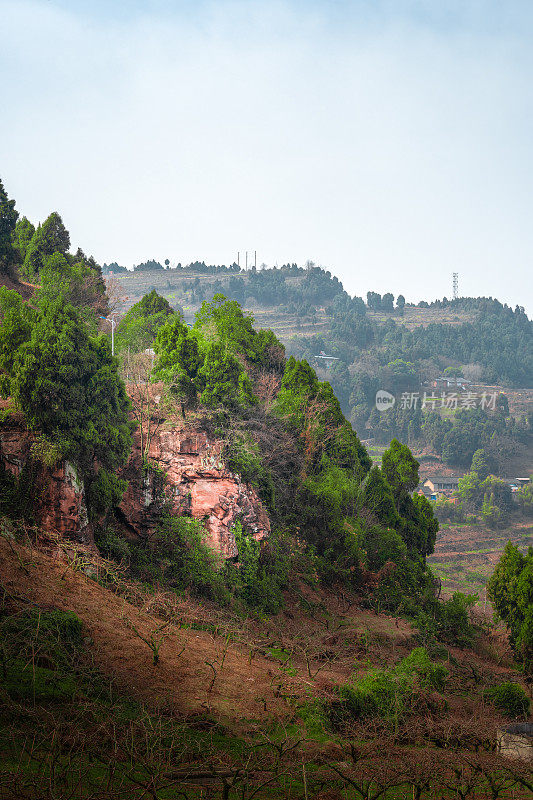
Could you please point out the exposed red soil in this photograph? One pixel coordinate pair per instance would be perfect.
(26, 290)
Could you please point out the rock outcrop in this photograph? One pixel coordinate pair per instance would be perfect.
(57, 495)
(187, 475)
(197, 483)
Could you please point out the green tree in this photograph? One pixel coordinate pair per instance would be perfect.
(8, 221)
(480, 464)
(138, 328)
(22, 236)
(525, 498)
(468, 488)
(225, 381)
(490, 512)
(400, 468)
(49, 238)
(178, 361)
(376, 496)
(66, 383)
(511, 590)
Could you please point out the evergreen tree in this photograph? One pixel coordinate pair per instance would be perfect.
(480, 464)
(22, 237)
(67, 384)
(178, 360)
(225, 381)
(8, 221)
(511, 590)
(49, 238)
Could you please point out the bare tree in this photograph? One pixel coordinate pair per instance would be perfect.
(144, 396)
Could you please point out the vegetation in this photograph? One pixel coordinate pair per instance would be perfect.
(510, 698)
(511, 590)
(344, 533)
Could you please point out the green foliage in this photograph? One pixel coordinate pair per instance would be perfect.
(139, 327)
(525, 498)
(376, 495)
(447, 621)
(492, 515)
(112, 545)
(242, 455)
(223, 322)
(49, 238)
(66, 383)
(511, 590)
(510, 698)
(103, 491)
(261, 572)
(480, 464)
(179, 558)
(39, 652)
(22, 236)
(380, 545)
(8, 221)
(178, 360)
(17, 493)
(392, 694)
(225, 381)
(469, 487)
(17, 321)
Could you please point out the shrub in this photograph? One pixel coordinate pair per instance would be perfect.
(509, 698)
(391, 693)
(179, 558)
(262, 572)
(112, 545)
(447, 621)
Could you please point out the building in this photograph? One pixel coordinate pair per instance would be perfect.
(441, 484)
(450, 383)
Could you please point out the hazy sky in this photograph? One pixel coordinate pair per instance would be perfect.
(390, 142)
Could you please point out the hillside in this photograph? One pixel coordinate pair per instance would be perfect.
(204, 571)
(248, 707)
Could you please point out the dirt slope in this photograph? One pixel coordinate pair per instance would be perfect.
(181, 679)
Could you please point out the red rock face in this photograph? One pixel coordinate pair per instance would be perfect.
(58, 497)
(197, 484)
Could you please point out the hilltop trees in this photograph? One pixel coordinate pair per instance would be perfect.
(178, 361)
(49, 238)
(8, 221)
(225, 381)
(22, 237)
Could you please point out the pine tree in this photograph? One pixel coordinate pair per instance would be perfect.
(8, 221)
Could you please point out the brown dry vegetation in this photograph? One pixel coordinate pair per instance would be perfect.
(250, 678)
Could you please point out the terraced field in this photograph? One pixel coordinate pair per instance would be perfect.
(465, 555)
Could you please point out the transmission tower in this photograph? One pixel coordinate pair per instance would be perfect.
(455, 285)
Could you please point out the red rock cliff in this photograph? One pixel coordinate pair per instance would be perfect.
(197, 483)
(57, 496)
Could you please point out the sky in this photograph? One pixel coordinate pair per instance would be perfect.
(389, 141)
